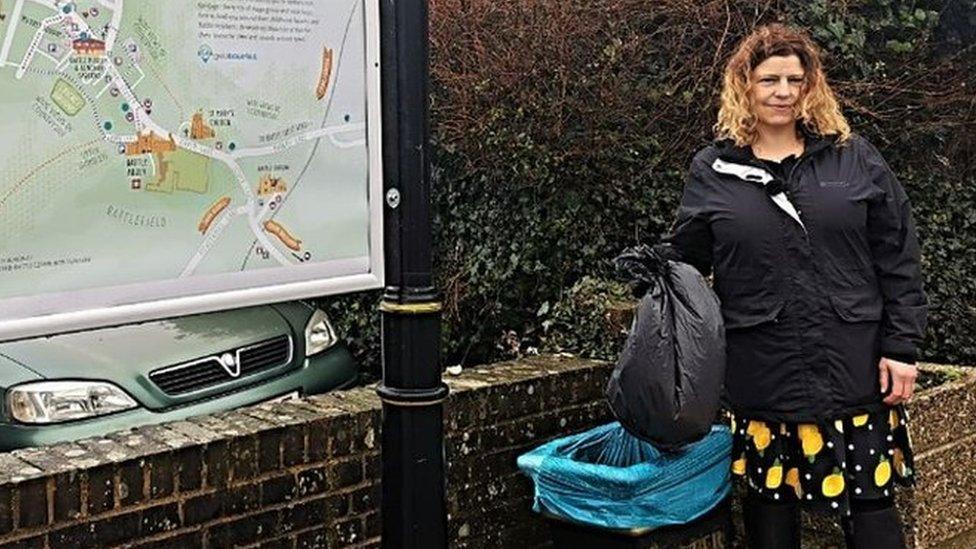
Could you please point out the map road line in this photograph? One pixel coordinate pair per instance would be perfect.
(113, 26)
(295, 141)
(32, 49)
(212, 236)
(8, 40)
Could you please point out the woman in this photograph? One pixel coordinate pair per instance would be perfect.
(816, 262)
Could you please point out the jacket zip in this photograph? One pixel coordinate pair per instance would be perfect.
(789, 179)
(789, 185)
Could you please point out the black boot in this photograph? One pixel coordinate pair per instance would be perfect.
(874, 526)
(771, 525)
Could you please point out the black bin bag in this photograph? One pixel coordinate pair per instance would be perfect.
(667, 384)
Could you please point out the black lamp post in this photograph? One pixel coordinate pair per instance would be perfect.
(413, 508)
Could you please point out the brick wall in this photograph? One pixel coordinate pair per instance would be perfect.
(297, 474)
(301, 474)
(494, 415)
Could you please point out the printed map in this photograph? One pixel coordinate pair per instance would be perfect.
(146, 140)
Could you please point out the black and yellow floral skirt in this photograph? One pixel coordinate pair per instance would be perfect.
(824, 465)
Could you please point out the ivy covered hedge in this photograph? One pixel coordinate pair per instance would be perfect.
(562, 131)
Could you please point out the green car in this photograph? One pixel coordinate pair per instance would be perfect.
(83, 384)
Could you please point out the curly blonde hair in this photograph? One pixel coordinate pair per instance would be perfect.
(817, 109)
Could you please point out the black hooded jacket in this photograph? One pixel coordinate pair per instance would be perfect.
(817, 270)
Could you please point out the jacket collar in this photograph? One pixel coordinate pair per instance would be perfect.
(731, 152)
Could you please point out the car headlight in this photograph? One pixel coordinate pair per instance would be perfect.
(319, 334)
(57, 401)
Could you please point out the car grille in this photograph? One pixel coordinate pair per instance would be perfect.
(210, 371)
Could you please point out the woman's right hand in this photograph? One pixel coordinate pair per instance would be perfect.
(900, 377)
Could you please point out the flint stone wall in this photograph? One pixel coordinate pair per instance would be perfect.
(307, 473)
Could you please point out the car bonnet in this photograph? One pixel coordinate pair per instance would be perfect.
(125, 355)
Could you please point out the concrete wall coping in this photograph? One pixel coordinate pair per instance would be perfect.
(142, 442)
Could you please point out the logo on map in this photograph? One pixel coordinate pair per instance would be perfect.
(205, 53)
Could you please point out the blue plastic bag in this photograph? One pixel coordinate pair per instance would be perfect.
(608, 478)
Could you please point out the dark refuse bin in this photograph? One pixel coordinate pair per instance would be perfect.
(712, 530)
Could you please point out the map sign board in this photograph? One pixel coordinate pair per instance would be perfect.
(160, 158)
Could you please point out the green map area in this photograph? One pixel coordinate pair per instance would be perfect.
(147, 141)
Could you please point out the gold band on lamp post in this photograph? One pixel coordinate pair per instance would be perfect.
(422, 308)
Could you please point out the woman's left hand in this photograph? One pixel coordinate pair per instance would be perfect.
(900, 377)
